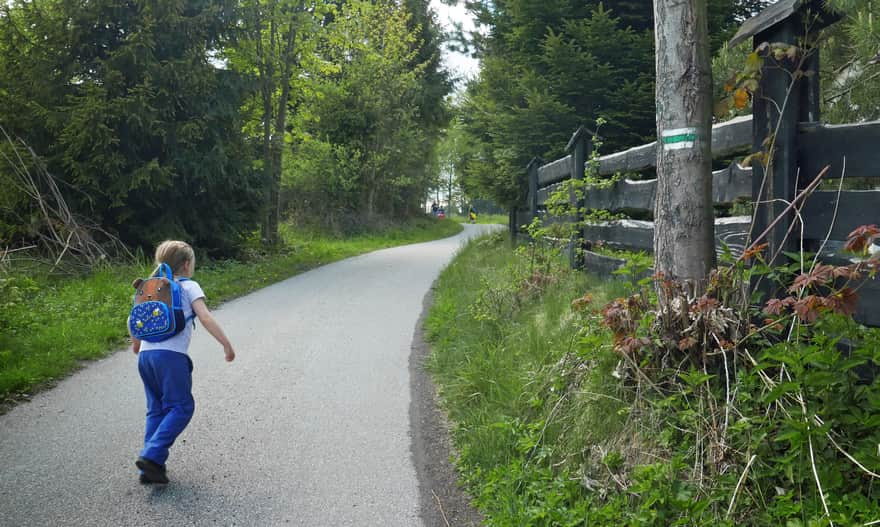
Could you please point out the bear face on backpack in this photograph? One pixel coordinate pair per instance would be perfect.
(157, 310)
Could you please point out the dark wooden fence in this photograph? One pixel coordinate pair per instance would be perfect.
(803, 148)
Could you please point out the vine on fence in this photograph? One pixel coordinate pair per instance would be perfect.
(564, 204)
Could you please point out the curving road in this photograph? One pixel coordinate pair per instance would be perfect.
(309, 426)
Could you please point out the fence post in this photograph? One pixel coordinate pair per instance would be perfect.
(532, 170)
(511, 225)
(578, 147)
(810, 89)
(777, 91)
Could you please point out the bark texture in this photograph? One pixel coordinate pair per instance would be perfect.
(683, 215)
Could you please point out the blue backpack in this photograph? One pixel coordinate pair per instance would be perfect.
(157, 310)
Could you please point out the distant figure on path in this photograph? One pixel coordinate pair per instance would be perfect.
(472, 215)
(166, 369)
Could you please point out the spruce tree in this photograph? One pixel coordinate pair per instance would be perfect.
(138, 122)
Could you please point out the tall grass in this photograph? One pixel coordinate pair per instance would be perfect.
(50, 324)
(526, 380)
(553, 428)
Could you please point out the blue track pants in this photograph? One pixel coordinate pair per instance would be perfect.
(167, 377)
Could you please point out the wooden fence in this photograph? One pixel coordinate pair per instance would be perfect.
(803, 147)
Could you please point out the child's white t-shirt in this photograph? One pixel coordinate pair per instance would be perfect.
(190, 292)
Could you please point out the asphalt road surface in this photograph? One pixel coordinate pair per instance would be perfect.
(309, 426)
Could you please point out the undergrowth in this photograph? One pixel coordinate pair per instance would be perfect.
(558, 420)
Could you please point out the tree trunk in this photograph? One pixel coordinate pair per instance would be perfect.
(265, 70)
(268, 231)
(371, 202)
(276, 143)
(684, 244)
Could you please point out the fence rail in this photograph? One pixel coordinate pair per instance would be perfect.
(803, 147)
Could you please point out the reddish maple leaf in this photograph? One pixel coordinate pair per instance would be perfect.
(630, 345)
(686, 343)
(859, 239)
(818, 275)
(807, 308)
(774, 306)
(849, 272)
(843, 301)
(705, 304)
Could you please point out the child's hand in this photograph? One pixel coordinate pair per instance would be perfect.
(230, 353)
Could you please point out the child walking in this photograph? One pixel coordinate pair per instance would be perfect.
(166, 369)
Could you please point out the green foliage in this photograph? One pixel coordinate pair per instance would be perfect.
(173, 110)
(371, 106)
(556, 428)
(133, 115)
(47, 325)
(549, 67)
(850, 82)
(514, 382)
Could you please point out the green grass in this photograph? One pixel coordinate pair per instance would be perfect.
(49, 325)
(551, 431)
(499, 219)
(525, 380)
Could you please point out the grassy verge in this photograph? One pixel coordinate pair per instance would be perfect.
(556, 427)
(48, 325)
(526, 380)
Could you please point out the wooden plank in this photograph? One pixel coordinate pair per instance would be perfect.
(727, 138)
(731, 183)
(821, 145)
(637, 235)
(625, 194)
(731, 136)
(632, 235)
(543, 194)
(605, 266)
(634, 159)
(554, 172)
(856, 208)
(733, 232)
(728, 184)
(546, 192)
(601, 264)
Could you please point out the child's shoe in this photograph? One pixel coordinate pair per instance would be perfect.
(151, 472)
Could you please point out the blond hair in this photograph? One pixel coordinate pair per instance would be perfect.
(174, 253)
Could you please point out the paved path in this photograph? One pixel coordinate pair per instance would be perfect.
(309, 426)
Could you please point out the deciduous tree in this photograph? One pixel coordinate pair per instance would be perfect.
(684, 246)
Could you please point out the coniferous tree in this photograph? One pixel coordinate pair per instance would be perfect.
(122, 101)
(551, 66)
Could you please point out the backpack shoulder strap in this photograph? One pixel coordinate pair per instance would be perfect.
(191, 318)
(164, 270)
